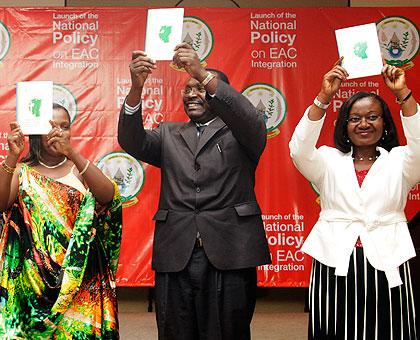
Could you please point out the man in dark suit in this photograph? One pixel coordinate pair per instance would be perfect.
(209, 235)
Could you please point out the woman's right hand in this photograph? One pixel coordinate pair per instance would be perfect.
(331, 82)
(15, 140)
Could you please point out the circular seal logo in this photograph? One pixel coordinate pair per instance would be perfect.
(127, 172)
(399, 40)
(270, 102)
(4, 40)
(316, 190)
(63, 96)
(199, 35)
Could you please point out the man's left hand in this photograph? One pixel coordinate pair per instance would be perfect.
(185, 57)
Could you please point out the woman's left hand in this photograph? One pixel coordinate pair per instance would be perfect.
(394, 78)
(59, 139)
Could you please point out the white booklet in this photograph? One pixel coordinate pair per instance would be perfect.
(359, 45)
(34, 102)
(163, 32)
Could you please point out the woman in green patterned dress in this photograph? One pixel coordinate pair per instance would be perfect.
(60, 235)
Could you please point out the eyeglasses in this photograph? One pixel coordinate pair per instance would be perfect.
(198, 89)
(357, 119)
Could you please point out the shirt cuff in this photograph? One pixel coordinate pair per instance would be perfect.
(130, 110)
(210, 96)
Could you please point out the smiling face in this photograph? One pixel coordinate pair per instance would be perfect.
(195, 104)
(365, 123)
(62, 119)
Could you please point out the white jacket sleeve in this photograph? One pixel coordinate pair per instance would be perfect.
(303, 151)
(411, 165)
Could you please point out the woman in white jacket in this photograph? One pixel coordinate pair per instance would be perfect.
(360, 283)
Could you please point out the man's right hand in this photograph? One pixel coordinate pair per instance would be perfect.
(15, 140)
(140, 67)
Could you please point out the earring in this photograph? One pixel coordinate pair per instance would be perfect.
(384, 134)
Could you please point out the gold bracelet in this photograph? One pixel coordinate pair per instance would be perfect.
(209, 77)
(85, 168)
(8, 169)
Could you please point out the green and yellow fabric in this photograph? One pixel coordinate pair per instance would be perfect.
(58, 258)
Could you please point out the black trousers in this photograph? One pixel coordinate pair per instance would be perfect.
(203, 303)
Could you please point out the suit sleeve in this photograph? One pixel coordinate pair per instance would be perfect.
(140, 143)
(238, 113)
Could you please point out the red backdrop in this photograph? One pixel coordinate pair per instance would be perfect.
(275, 56)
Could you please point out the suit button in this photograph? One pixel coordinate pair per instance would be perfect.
(196, 211)
(197, 189)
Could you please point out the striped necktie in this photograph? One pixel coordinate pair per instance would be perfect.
(200, 129)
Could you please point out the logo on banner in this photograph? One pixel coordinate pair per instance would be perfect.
(63, 96)
(316, 190)
(199, 35)
(269, 101)
(4, 40)
(127, 172)
(399, 40)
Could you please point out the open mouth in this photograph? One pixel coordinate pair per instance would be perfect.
(194, 105)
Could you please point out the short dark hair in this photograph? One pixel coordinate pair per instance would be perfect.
(35, 144)
(389, 137)
(220, 74)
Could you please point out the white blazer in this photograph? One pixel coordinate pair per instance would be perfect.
(374, 212)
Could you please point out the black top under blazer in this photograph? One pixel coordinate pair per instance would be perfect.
(207, 183)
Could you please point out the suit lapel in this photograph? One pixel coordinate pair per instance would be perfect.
(189, 134)
(209, 132)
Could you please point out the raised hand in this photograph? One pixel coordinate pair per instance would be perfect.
(185, 57)
(394, 78)
(140, 68)
(15, 140)
(59, 139)
(331, 82)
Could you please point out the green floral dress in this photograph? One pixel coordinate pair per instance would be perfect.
(58, 258)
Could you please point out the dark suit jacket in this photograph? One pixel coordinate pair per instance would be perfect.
(207, 183)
